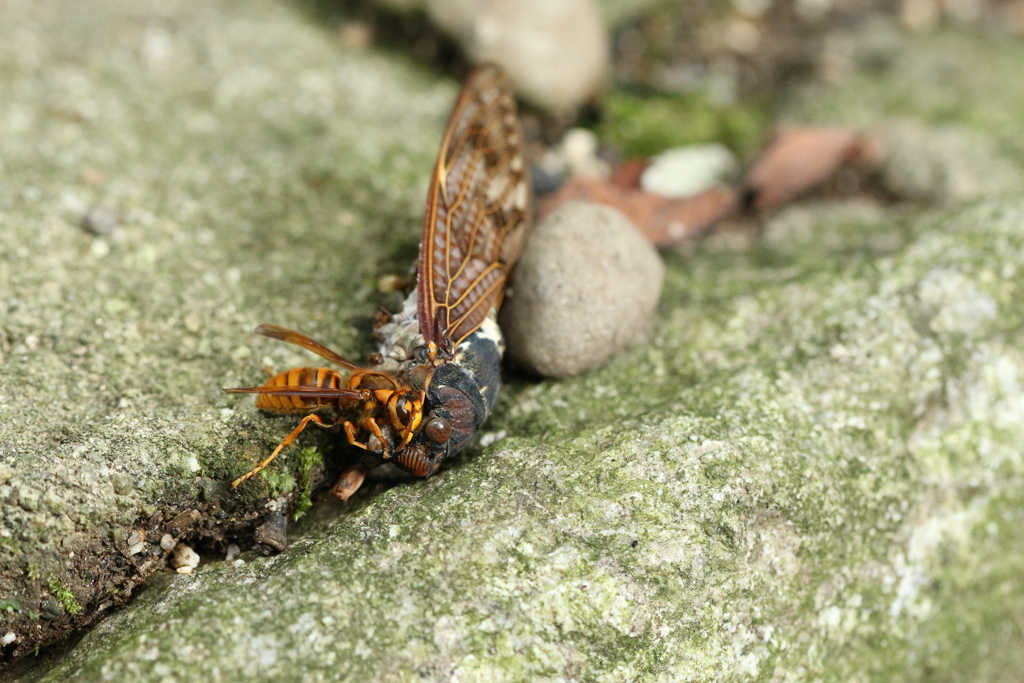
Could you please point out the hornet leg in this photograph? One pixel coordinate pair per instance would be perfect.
(313, 417)
(371, 424)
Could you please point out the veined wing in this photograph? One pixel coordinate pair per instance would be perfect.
(478, 210)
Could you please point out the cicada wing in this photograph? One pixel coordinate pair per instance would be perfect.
(478, 211)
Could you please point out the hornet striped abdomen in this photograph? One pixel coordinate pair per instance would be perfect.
(324, 378)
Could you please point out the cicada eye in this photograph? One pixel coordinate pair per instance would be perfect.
(438, 430)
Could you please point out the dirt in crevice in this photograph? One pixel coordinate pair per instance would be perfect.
(99, 577)
(107, 574)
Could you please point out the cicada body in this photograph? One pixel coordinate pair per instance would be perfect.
(435, 379)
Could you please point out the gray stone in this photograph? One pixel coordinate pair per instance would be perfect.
(585, 287)
(556, 53)
(947, 164)
(101, 220)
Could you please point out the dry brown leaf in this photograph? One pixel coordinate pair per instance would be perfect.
(664, 221)
(627, 175)
(797, 161)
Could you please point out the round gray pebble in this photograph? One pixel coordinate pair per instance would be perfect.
(945, 164)
(556, 53)
(101, 220)
(585, 287)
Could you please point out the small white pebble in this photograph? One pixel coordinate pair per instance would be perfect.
(184, 570)
(99, 248)
(137, 548)
(193, 464)
(8, 638)
(238, 563)
(490, 437)
(184, 556)
(688, 171)
(579, 149)
(233, 552)
(167, 542)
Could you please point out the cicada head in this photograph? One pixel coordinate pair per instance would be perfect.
(452, 413)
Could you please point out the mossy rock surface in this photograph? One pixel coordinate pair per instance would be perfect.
(252, 170)
(810, 468)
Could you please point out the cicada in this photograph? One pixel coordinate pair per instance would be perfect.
(435, 379)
